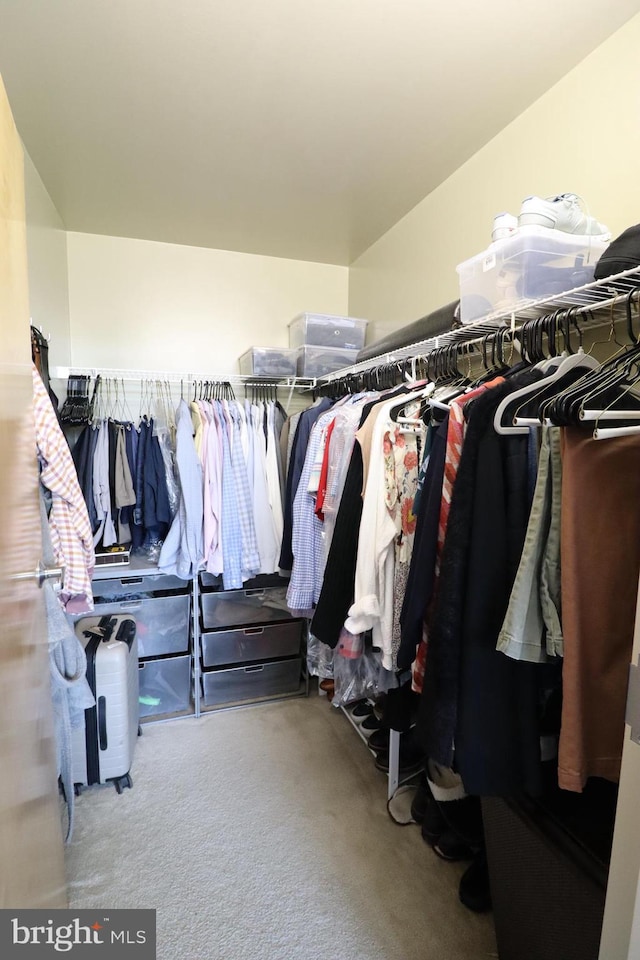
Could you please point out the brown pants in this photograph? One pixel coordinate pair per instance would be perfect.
(600, 556)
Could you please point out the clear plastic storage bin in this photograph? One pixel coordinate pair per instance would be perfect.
(268, 362)
(324, 330)
(248, 644)
(165, 686)
(318, 361)
(534, 262)
(255, 682)
(162, 623)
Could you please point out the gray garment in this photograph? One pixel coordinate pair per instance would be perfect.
(101, 489)
(532, 628)
(70, 693)
(125, 494)
(182, 551)
(293, 426)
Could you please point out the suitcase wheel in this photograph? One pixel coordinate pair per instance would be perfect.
(121, 782)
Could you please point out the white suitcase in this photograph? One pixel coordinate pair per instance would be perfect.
(103, 747)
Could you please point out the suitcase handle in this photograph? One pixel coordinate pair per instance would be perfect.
(259, 667)
(127, 581)
(253, 631)
(102, 722)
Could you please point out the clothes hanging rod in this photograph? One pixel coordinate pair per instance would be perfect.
(590, 297)
(166, 376)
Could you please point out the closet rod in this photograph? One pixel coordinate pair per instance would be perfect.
(590, 297)
(170, 376)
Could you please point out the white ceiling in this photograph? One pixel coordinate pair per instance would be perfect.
(296, 128)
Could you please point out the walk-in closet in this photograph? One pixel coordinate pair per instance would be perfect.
(320, 486)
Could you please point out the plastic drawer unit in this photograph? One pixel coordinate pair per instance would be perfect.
(319, 361)
(165, 685)
(268, 362)
(250, 644)
(162, 623)
(325, 330)
(534, 262)
(236, 608)
(161, 606)
(257, 681)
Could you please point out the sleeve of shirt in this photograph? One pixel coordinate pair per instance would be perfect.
(306, 533)
(377, 530)
(69, 520)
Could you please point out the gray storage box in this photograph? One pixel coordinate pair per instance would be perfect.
(109, 589)
(165, 685)
(255, 682)
(251, 643)
(162, 623)
(319, 361)
(268, 362)
(235, 608)
(327, 330)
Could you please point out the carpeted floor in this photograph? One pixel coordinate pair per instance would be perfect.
(262, 834)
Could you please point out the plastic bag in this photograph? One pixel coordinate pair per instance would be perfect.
(356, 678)
(319, 659)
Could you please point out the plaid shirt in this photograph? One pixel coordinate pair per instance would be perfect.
(68, 521)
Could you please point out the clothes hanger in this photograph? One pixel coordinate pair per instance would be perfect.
(511, 418)
(571, 406)
(538, 394)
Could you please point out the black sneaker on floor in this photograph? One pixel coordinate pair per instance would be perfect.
(433, 823)
(421, 801)
(474, 890)
(464, 818)
(449, 846)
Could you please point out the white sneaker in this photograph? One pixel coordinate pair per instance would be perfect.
(559, 213)
(504, 225)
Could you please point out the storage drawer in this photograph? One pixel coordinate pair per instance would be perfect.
(235, 608)
(133, 585)
(165, 686)
(162, 622)
(251, 683)
(208, 581)
(251, 643)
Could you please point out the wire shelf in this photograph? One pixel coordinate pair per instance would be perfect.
(590, 297)
(170, 376)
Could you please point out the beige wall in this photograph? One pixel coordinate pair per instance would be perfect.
(160, 306)
(582, 136)
(47, 260)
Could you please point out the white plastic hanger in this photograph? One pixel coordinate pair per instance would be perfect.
(579, 359)
(520, 425)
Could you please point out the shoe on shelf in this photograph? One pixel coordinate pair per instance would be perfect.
(474, 890)
(411, 759)
(371, 723)
(379, 740)
(406, 768)
(504, 225)
(361, 710)
(559, 213)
